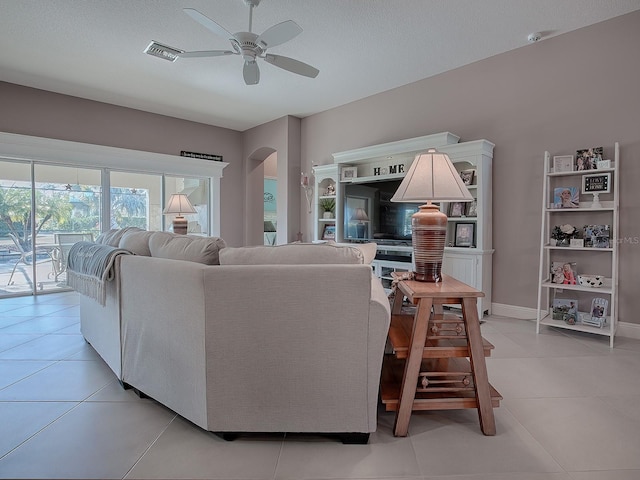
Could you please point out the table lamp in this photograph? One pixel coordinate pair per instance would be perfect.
(431, 176)
(178, 204)
(360, 216)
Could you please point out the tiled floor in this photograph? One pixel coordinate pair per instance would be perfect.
(571, 411)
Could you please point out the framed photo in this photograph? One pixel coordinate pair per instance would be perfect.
(596, 183)
(348, 173)
(464, 234)
(566, 197)
(472, 209)
(597, 236)
(563, 163)
(329, 232)
(468, 176)
(456, 209)
(587, 159)
(564, 273)
(565, 309)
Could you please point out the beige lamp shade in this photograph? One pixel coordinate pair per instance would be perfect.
(360, 215)
(179, 204)
(431, 176)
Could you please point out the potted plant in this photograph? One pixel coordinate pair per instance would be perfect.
(563, 234)
(328, 206)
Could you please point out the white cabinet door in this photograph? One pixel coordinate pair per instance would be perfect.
(462, 267)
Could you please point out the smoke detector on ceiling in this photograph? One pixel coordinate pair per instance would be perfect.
(534, 37)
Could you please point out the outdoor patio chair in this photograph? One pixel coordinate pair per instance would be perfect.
(59, 254)
(26, 257)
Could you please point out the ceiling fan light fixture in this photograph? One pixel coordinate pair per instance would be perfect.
(165, 52)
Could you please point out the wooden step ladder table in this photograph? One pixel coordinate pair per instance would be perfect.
(428, 369)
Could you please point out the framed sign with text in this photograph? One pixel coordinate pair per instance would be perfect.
(596, 183)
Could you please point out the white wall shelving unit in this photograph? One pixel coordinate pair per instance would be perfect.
(324, 175)
(588, 260)
(472, 265)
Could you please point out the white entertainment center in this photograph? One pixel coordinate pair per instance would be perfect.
(352, 180)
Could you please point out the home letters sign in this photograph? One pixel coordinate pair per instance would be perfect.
(391, 169)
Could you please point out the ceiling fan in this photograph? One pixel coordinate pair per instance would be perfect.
(252, 46)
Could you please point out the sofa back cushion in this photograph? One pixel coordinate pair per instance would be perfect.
(136, 241)
(186, 247)
(113, 236)
(298, 253)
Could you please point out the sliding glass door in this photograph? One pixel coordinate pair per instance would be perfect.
(69, 206)
(135, 200)
(16, 252)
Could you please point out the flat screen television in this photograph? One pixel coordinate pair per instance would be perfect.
(388, 221)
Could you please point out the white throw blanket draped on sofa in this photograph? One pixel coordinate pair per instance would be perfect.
(89, 266)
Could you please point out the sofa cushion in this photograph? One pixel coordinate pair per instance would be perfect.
(186, 247)
(298, 253)
(136, 241)
(113, 236)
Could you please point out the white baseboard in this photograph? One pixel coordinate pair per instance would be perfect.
(523, 313)
(625, 329)
(628, 330)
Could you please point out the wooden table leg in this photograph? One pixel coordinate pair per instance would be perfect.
(398, 298)
(412, 367)
(478, 366)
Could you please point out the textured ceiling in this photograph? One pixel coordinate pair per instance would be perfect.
(94, 49)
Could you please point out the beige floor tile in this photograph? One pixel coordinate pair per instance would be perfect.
(310, 457)
(21, 420)
(185, 451)
(581, 433)
(94, 440)
(451, 448)
(62, 381)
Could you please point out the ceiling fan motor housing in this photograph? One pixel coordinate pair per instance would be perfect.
(245, 44)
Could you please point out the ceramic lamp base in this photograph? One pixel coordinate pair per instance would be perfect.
(180, 225)
(429, 229)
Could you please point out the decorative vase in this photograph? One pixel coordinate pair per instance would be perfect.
(429, 228)
(327, 215)
(563, 242)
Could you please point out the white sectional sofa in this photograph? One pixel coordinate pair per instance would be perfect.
(273, 339)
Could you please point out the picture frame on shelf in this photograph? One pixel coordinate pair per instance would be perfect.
(566, 197)
(597, 236)
(329, 232)
(348, 173)
(468, 176)
(588, 158)
(598, 312)
(596, 183)
(565, 309)
(564, 273)
(456, 209)
(464, 234)
(563, 163)
(472, 209)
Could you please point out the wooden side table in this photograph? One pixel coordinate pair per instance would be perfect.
(428, 369)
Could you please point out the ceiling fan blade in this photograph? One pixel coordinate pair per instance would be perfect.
(251, 72)
(279, 34)
(205, 53)
(292, 65)
(208, 23)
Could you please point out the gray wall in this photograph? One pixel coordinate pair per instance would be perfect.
(29, 111)
(573, 91)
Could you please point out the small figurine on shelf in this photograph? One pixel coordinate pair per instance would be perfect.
(331, 190)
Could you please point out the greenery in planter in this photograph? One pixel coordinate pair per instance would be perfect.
(328, 204)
